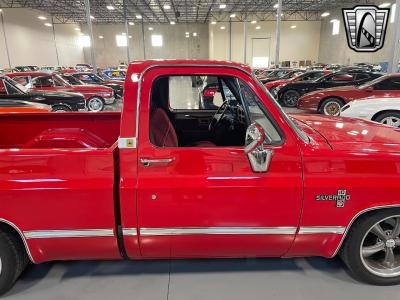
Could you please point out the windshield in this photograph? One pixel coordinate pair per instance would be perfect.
(372, 82)
(72, 80)
(20, 87)
(290, 120)
(59, 81)
(278, 73)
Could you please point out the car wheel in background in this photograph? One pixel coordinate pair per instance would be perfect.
(391, 118)
(273, 91)
(95, 104)
(60, 108)
(331, 106)
(371, 249)
(290, 98)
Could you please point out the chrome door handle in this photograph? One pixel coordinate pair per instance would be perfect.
(162, 161)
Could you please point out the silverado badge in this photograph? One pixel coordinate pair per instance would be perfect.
(341, 197)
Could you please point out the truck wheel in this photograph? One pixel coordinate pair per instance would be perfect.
(331, 107)
(13, 260)
(391, 118)
(290, 98)
(60, 108)
(372, 248)
(95, 104)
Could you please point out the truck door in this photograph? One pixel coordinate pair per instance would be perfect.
(202, 198)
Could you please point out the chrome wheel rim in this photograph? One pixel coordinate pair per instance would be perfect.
(332, 108)
(95, 104)
(379, 250)
(391, 121)
(291, 98)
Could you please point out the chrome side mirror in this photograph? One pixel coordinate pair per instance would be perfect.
(259, 157)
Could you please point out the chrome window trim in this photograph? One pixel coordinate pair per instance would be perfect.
(21, 235)
(129, 231)
(217, 231)
(46, 234)
(322, 229)
(355, 217)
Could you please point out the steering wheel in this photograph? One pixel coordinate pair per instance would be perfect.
(218, 116)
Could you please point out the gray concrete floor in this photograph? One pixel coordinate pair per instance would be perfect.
(306, 278)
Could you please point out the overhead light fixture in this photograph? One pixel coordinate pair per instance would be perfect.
(47, 24)
(138, 17)
(156, 40)
(253, 22)
(131, 23)
(110, 7)
(276, 6)
(1, 10)
(222, 6)
(222, 27)
(258, 27)
(172, 23)
(101, 37)
(293, 26)
(92, 17)
(194, 33)
(232, 15)
(213, 22)
(167, 6)
(187, 32)
(130, 36)
(84, 41)
(334, 20)
(151, 28)
(121, 40)
(77, 29)
(123, 33)
(277, 15)
(42, 18)
(384, 5)
(325, 14)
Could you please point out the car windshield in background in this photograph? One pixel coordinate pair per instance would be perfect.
(14, 84)
(372, 82)
(278, 73)
(72, 80)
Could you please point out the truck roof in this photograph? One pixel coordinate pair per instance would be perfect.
(140, 66)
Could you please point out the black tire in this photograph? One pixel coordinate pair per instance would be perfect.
(60, 108)
(351, 253)
(290, 98)
(384, 118)
(95, 104)
(13, 259)
(331, 106)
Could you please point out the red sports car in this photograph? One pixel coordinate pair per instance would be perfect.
(96, 95)
(330, 101)
(272, 86)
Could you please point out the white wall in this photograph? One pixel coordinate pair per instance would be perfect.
(301, 43)
(32, 43)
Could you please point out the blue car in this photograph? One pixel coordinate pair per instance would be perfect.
(114, 74)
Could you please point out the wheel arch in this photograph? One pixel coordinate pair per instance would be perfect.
(10, 228)
(62, 104)
(383, 112)
(330, 97)
(360, 214)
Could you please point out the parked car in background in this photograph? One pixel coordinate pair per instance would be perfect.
(91, 78)
(51, 69)
(18, 106)
(26, 68)
(283, 73)
(382, 110)
(274, 86)
(59, 101)
(96, 95)
(262, 72)
(113, 74)
(289, 94)
(83, 67)
(330, 101)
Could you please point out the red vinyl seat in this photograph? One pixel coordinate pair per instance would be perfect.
(163, 134)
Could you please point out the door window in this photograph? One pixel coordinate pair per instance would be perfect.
(388, 84)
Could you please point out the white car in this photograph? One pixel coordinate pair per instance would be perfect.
(382, 110)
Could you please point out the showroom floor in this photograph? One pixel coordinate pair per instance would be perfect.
(308, 279)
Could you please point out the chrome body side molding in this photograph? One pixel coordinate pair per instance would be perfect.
(217, 230)
(322, 229)
(129, 231)
(46, 234)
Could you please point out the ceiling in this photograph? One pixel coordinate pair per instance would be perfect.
(180, 11)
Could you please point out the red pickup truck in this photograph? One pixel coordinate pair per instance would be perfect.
(167, 179)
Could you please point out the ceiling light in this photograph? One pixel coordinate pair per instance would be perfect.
(47, 24)
(1, 10)
(334, 20)
(101, 37)
(222, 6)
(42, 18)
(167, 6)
(151, 28)
(384, 5)
(293, 26)
(325, 14)
(276, 6)
(253, 22)
(258, 27)
(138, 16)
(222, 27)
(77, 29)
(130, 36)
(194, 33)
(110, 7)
(232, 15)
(92, 17)
(123, 33)
(277, 15)
(213, 22)
(187, 32)
(131, 23)
(172, 22)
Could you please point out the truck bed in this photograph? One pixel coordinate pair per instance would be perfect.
(59, 130)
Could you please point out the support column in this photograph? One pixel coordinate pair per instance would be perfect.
(278, 33)
(55, 41)
(127, 34)
(394, 56)
(143, 41)
(5, 39)
(230, 40)
(90, 28)
(245, 39)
